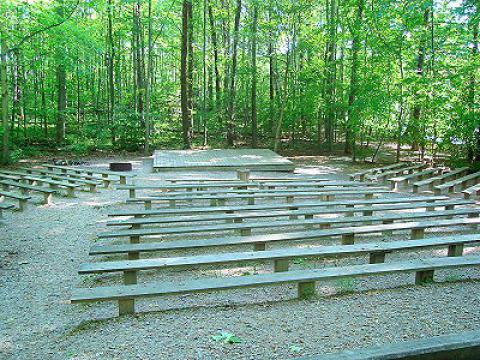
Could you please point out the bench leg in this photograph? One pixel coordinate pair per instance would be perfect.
(455, 250)
(123, 180)
(47, 198)
(348, 239)
(415, 189)
(417, 234)
(325, 226)
(148, 205)
(221, 202)
(377, 257)
(106, 183)
(70, 192)
(471, 216)
(386, 222)
(350, 213)
(172, 204)
(306, 289)
(251, 201)
(280, 265)
(424, 276)
(245, 232)
(290, 199)
(127, 306)
(259, 247)
(22, 204)
(367, 213)
(93, 188)
(369, 196)
(131, 193)
(213, 202)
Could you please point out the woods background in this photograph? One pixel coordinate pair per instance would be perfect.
(328, 75)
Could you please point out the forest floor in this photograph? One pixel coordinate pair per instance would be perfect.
(41, 250)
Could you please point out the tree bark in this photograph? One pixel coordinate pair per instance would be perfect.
(186, 115)
(4, 95)
(254, 77)
(231, 100)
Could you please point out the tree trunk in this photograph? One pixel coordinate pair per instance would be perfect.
(111, 79)
(148, 83)
(351, 116)
(231, 102)
(254, 77)
(4, 96)
(186, 115)
(61, 84)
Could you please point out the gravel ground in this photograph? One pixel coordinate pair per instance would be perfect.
(41, 249)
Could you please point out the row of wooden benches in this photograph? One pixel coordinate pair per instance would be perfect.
(127, 294)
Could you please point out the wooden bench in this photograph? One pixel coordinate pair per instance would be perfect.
(253, 179)
(277, 206)
(398, 181)
(304, 279)
(91, 181)
(10, 177)
(105, 174)
(396, 172)
(281, 258)
(243, 186)
(461, 346)
(218, 199)
(463, 182)
(5, 207)
(259, 242)
(247, 227)
(431, 182)
(292, 214)
(471, 191)
(361, 174)
(92, 185)
(25, 188)
(54, 184)
(22, 199)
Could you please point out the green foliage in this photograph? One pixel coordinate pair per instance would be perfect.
(345, 286)
(375, 107)
(227, 338)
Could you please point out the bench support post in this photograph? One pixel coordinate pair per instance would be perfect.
(348, 239)
(306, 289)
(259, 247)
(455, 250)
(148, 205)
(280, 265)
(127, 306)
(131, 193)
(47, 198)
(245, 232)
(417, 234)
(377, 257)
(424, 276)
(22, 204)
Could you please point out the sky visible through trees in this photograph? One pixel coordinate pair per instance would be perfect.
(331, 75)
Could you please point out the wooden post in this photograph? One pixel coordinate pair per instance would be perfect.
(47, 198)
(213, 202)
(221, 202)
(243, 174)
(377, 257)
(415, 189)
(259, 247)
(350, 213)
(123, 180)
(131, 193)
(325, 226)
(348, 239)
(306, 289)
(251, 201)
(22, 204)
(280, 265)
(127, 306)
(148, 204)
(172, 203)
(455, 250)
(369, 196)
(424, 276)
(417, 233)
(246, 232)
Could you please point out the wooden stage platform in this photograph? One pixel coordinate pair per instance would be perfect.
(229, 159)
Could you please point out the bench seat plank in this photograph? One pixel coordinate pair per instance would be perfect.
(289, 223)
(304, 236)
(289, 253)
(290, 206)
(109, 293)
(152, 219)
(441, 178)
